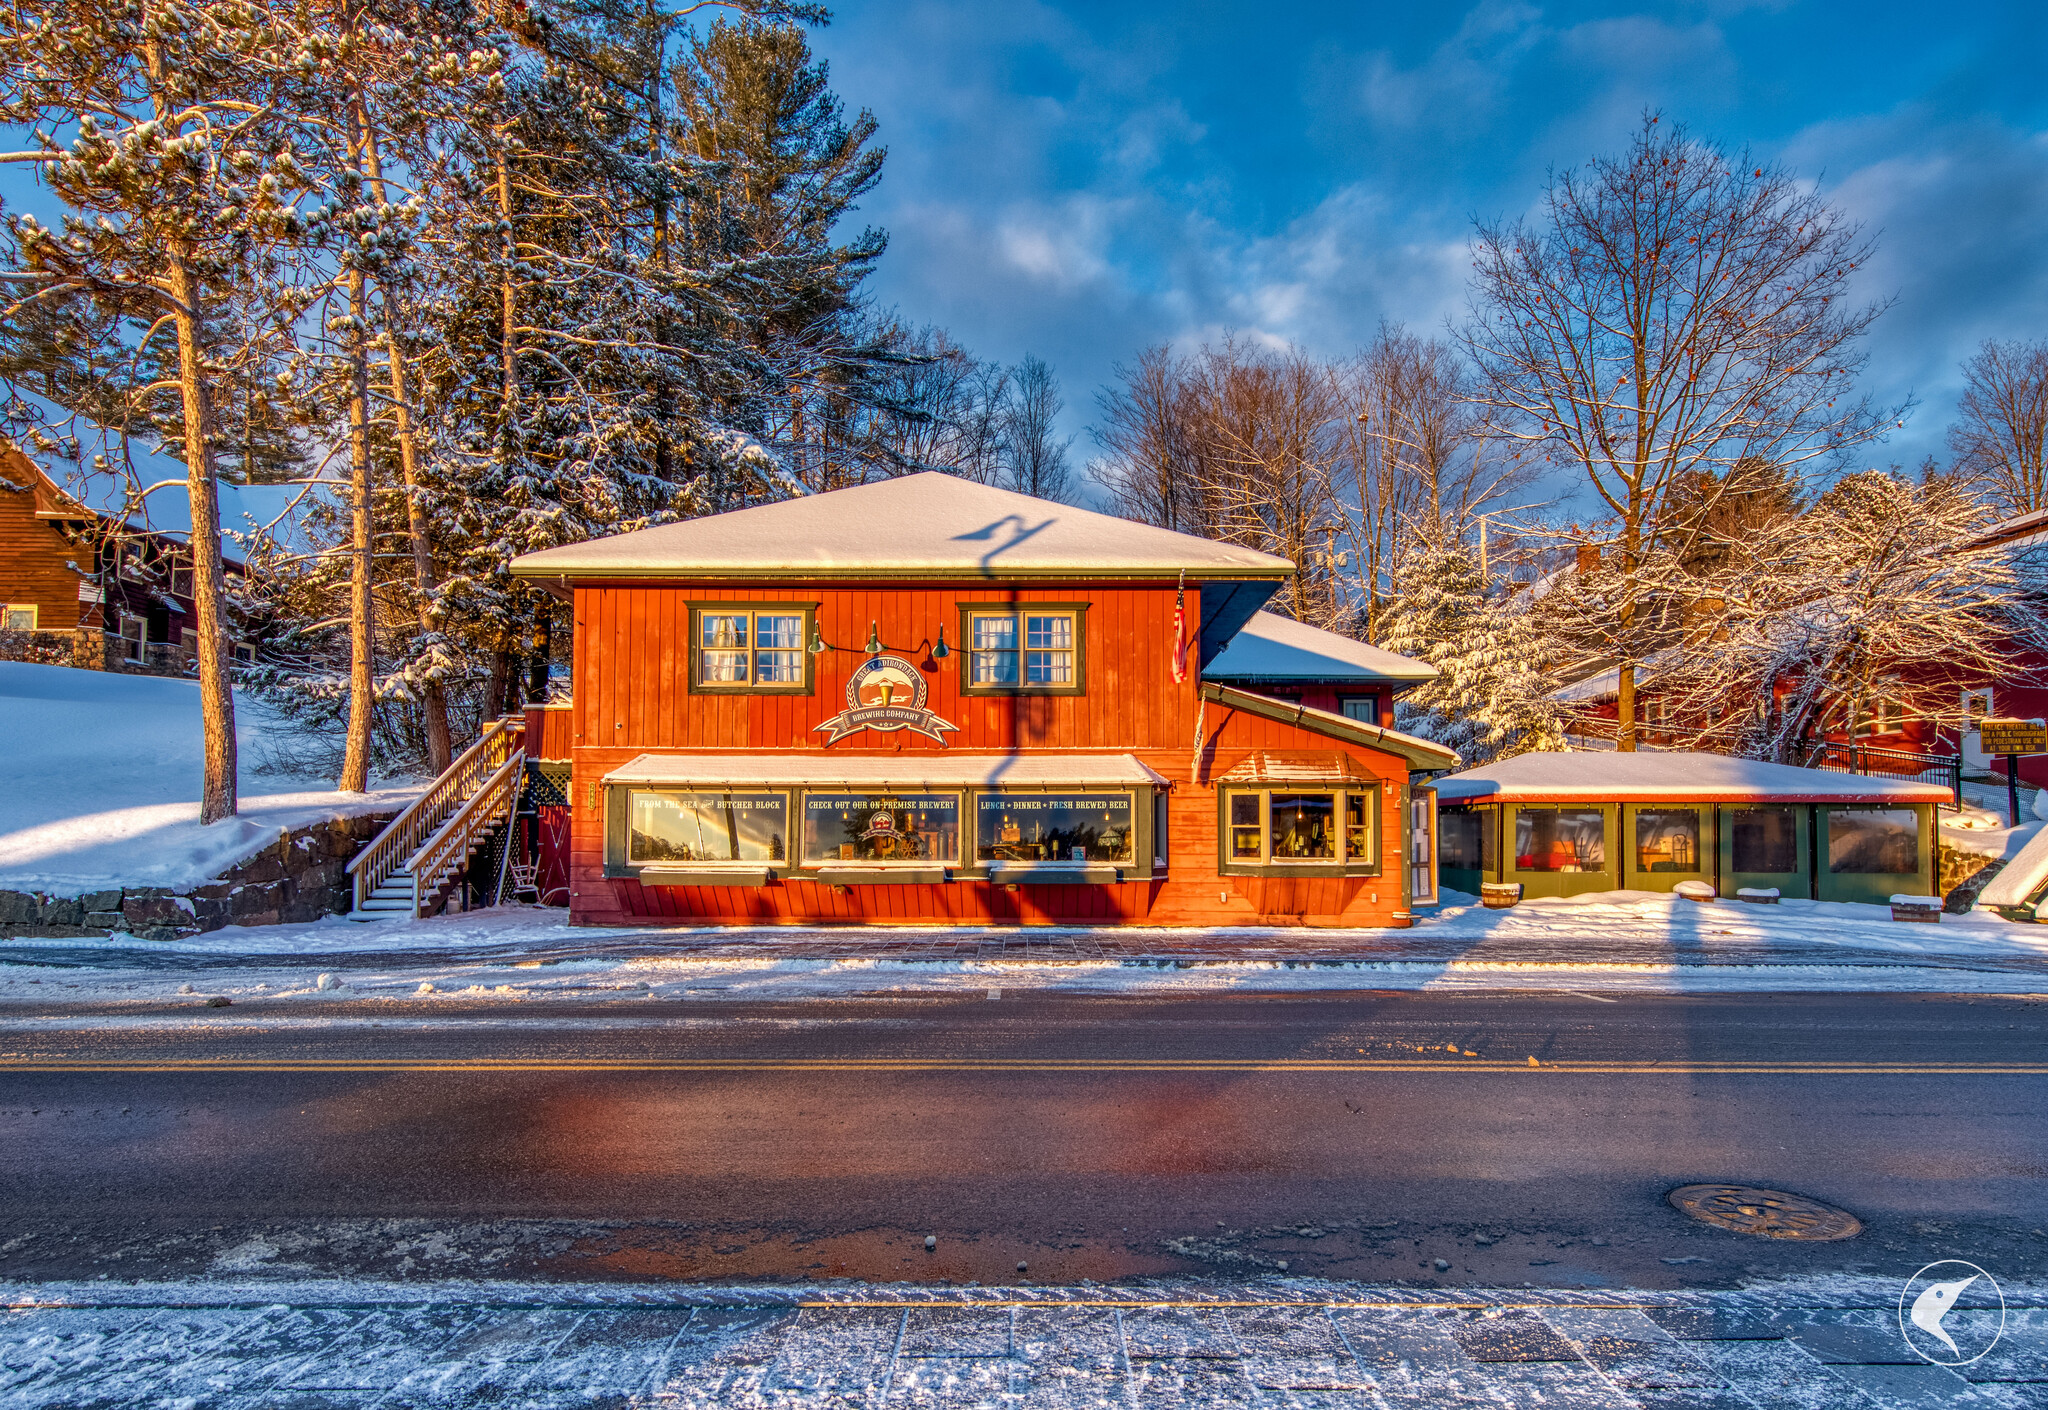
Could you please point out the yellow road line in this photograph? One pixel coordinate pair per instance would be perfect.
(1140, 1304)
(1487, 1067)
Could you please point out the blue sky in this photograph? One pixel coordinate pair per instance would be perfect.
(1081, 180)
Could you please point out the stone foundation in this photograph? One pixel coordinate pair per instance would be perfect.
(300, 877)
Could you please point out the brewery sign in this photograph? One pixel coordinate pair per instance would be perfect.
(885, 693)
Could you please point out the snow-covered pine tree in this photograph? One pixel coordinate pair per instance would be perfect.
(1490, 699)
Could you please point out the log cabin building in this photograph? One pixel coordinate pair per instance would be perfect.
(927, 700)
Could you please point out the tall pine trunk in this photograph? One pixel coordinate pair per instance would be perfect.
(355, 767)
(217, 799)
(209, 584)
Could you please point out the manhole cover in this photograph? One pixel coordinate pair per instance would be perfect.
(1768, 1214)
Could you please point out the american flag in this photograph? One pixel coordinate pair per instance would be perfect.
(1180, 631)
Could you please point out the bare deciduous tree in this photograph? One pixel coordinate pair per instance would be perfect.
(1675, 310)
(1033, 452)
(2001, 427)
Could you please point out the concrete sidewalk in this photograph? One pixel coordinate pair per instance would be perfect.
(297, 1347)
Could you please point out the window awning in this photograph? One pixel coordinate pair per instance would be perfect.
(919, 770)
(1290, 766)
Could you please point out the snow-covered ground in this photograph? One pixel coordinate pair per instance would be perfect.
(1824, 1343)
(1618, 941)
(100, 784)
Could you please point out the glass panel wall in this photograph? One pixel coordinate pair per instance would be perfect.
(1461, 841)
(1560, 839)
(1874, 841)
(1764, 841)
(1668, 839)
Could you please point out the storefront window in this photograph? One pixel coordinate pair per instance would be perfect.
(1560, 839)
(877, 828)
(1764, 841)
(1058, 827)
(706, 827)
(1667, 839)
(1874, 841)
(1304, 827)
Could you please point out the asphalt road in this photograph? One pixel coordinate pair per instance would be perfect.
(1354, 1135)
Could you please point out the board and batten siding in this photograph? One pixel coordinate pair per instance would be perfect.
(633, 676)
(632, 696)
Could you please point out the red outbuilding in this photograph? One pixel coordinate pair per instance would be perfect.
(927, 700)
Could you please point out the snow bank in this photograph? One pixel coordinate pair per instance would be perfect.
(100, 786)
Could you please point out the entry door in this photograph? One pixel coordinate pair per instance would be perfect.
(1422, 847)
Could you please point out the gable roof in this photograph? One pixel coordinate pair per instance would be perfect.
(1675, 776)
(925, 526)
(1420, 753)
(1272, 648)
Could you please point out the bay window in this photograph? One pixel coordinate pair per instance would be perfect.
(1308, 832)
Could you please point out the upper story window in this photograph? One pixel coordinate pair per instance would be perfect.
(1034, 649)
(750, 647)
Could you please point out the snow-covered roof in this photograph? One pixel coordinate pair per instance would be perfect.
(1673, 776)
(1420, 753)
(1600, 686)
(919, 770)
(2029, 530)
(916, 526)
(98, 467)
(1270, 647)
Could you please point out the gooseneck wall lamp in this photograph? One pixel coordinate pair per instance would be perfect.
(875, 646)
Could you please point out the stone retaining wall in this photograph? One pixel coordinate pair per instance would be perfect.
(300, 877)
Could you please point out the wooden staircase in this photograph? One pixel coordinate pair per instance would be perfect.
(409, 869)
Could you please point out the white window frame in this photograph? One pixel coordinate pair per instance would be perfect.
(1066, 660)
(33, 614)
(751, 613)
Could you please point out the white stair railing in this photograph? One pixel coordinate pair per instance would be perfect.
(449, 848)
(427, 815)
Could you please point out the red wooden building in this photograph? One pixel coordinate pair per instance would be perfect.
(90, 576)
(928, 700)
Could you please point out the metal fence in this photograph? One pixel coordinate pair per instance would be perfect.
(1943, 769)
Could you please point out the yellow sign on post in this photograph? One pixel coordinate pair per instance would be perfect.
(2013, 736)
